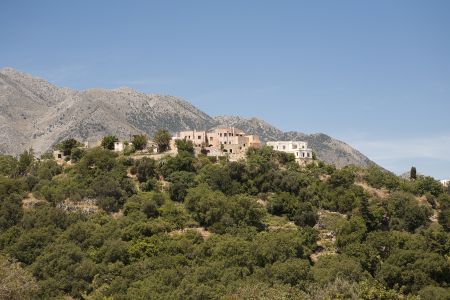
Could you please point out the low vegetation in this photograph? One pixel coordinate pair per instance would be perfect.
(187, 227)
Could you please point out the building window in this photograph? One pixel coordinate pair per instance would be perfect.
(211, 138)
(225, 134)
(199, 137)
(284, 147)
(294, 146)
(231, 150)
(220, 134)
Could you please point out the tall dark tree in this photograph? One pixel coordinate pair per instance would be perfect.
(413, 173)
(25, 161)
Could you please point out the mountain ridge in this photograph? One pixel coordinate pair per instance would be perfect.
(35, 113)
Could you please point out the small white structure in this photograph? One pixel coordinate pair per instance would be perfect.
(89, 144)
(298, 148)
(445, 182)
(118, 146)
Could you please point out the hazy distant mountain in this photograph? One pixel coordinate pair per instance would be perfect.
(35, 113)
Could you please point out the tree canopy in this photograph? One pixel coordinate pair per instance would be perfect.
(118, 226)
(162, 139)
(108, 142)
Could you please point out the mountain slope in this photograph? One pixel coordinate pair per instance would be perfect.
(35, 113)
(327, 148)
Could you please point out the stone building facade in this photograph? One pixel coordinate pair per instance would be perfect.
(224, 140)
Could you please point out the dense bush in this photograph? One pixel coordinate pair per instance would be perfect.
(109, 226)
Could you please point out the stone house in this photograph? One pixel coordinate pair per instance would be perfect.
(198, 138)
(58, 155)
(227, 140)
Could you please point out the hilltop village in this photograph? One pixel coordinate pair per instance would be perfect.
(223, 142)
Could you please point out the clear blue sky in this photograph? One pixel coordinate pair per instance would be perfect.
(375, 74)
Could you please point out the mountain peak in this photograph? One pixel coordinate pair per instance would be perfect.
(7, 70)
(12, 72)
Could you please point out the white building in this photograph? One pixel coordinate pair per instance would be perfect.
(298, 148)
(89, 144)
(118, 146)
(445, 182)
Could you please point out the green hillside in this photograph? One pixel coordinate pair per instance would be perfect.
(109, 226)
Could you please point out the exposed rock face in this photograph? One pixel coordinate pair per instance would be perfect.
(37, 114)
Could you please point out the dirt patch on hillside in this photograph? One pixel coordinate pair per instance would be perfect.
(380, 193)
(30, 201)
(85, 206)
(324, 177)
(326, 225)
(202, 231)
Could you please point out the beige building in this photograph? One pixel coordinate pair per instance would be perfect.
(298, 148)
(58, 155)
(198, 138)
(228, 140)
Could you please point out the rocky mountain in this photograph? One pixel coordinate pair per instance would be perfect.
(35, 113)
